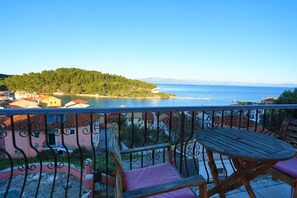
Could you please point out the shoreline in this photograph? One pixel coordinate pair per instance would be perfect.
(121, 97)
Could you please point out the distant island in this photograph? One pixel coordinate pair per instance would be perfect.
(76, 81)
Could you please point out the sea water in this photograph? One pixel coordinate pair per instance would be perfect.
(190, 95)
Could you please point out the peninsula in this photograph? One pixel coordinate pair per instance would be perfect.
(75, 81)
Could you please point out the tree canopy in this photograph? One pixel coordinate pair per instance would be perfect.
(2, 76)
(78, 81)
(288, 97)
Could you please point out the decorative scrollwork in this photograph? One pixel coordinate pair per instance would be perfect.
(235, 121)
(87, 161)
(252, 120)
(216, 121)
(67, 128)
(188, 121)
(140, 123)
(135, 158)
(55, 128)
(3, 133)
(48, 156)
(35, 128)
(208, 121)
(2, 127)
(174, 122)
(23, 127)
(125, 158)
(86, 131)
(32, 167)
(197, 121)
(50, 165)
(208, 125)
(21, 164)
(60, 164)
(261, 119)
(114, 123)
(227, 120)
(208, 118)
(96, 127)
(193, 150)
(197, 151)
(86, 123)
(166, 121)
(157, 154)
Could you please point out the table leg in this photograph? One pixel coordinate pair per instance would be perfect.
(243, 178)
(245, 172)
(230, 183)
(214, 171)
(248, 187)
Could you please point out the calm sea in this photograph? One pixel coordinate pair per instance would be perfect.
(190, 95)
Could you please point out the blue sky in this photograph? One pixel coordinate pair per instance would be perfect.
(212, 40)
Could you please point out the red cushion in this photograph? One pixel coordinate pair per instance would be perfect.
(288, 167)
(153, 175)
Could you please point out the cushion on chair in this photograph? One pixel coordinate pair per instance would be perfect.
(153, 175)
(288, 167)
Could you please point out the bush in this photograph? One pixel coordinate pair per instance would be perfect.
(45, 154)
(288, 97)
(86, 153)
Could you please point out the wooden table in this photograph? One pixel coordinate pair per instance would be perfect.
(252, 154)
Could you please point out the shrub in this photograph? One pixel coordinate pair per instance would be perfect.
(86, 153)
(45, 154)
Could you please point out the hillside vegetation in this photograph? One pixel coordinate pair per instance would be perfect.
(2, 76)
(78, 81)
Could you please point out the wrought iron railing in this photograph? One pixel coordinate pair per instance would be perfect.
(63, 152)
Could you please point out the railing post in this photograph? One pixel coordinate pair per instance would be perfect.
(182, 134)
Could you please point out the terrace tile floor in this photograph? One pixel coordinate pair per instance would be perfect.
(264, 187)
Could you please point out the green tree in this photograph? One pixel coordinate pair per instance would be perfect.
(78, 81)
(288, 97)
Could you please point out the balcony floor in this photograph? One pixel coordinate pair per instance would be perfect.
(264, 187)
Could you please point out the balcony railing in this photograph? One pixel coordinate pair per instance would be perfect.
(63, 152)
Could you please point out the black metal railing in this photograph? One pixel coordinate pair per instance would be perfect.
(63, 152)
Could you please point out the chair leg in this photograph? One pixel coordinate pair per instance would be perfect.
(202, 191)
(295, 192)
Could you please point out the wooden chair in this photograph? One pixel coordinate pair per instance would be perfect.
(287, 170)
(158, 180)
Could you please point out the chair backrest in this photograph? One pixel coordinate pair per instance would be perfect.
(288, 131)
(115, 153)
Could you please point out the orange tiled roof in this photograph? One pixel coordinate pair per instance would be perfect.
(29, 99)
(40, 119)
(43, 97)
(80, 101)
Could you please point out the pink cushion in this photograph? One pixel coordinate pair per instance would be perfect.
(153, 175)
(288, 167)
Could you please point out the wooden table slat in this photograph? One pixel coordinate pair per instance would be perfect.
(257, 141)
(227, 145)
(252, 154)
(237, 143)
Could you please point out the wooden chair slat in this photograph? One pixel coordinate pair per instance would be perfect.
(120, 189)
(167, 187)
(288, 133)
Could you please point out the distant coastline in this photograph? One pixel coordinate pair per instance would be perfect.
(186, 95)
(120, 97)
(172, 81)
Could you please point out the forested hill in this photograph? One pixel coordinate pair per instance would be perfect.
(2, 76)
(78, 81)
